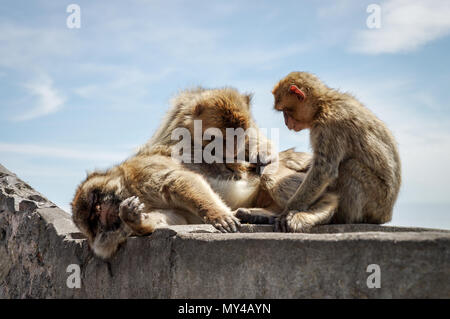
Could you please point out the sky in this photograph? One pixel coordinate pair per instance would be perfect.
(73, 100)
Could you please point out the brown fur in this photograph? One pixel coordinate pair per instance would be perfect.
(355, 155)
(151, 189)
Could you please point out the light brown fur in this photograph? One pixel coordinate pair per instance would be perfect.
(151, 189)
(355, 155)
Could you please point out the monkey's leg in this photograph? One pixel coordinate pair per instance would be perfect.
(142, 222)
(357, 187)
(281, 183)
(377, 197)
(296, 161)
(319, 213)
(351, 203)
(189, 191)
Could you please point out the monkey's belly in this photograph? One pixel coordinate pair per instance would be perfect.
(236, 193)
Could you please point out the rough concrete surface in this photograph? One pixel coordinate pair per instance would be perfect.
(38, 241)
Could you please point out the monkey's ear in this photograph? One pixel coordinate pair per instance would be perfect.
(198, 109)
(299, 93)
(248, 98)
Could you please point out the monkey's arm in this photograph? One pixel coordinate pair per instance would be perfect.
(142, 221)
(184, 189)
(259, 148)
(328, 153)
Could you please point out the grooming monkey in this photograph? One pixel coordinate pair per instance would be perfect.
(152, 189)
(354, 155)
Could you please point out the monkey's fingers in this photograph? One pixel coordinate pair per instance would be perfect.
(281, 224)
(130, 209)
(131, 203)
(223, 226)
(236, 224)
(265, 158)
(277, 225)
(128, 202)
(227, 224)
(289, 218)
(220, 227)
(284, 227)
(231, 224)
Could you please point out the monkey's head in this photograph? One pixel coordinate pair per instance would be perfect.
(297, 96)
(222, 109)
(95, 211)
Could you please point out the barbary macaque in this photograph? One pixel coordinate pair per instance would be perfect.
(355, 156)
(154, 188)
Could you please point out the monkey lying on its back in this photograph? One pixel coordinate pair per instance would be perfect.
(151, 189)
(355, 155)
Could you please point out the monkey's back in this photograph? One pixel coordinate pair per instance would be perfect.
(374, 144)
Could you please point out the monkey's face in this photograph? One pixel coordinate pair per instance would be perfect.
(95, 211)
(221, 110)
(295, 100)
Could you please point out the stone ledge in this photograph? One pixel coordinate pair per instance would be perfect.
(38, 241)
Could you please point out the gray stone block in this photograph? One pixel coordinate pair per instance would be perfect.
(38, 241)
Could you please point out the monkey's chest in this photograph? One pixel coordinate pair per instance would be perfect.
(236, 193)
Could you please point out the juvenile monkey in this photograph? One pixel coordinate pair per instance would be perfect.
(151, 189)
(354, 155)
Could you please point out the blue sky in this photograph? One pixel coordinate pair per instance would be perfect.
(74, 100)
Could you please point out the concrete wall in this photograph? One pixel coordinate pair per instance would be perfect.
(38, 242)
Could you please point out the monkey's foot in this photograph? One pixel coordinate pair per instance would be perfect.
(131, 212)
(226, 223)
(294, 222)
(254, 216)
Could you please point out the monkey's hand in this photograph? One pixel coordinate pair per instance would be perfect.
(264, 160)
(131, 213)
(292, 221)
(266, 157)
(262, 156)
(226, 223)
(254, 215)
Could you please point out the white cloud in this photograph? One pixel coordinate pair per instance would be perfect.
(61, 152)
(125, 83)
(336, 8)
(49, 100)
(406, 25)
(26, 48)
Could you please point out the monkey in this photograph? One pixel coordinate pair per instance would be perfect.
(153, 188)
(355, 155)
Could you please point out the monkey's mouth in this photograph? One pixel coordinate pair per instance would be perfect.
(291, 123)
(105, 213)
(113, 226)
